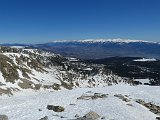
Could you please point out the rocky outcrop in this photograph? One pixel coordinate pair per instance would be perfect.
(123, 98)
(22, 67)
(152, 107)
(88, 95)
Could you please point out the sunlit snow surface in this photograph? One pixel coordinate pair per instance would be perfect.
(145, 60)
(117, 40)
(25, 105)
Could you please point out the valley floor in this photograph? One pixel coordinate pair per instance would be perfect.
(26, 105)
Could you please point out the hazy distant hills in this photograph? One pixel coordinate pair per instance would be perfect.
(103, 48)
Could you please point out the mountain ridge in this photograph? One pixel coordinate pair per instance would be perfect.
(22, 68)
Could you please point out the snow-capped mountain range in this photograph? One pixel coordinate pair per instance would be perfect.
(102, 48)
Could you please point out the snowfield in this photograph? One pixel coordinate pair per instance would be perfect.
(25, 105)
(145, 60)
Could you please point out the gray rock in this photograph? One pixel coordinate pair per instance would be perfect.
(130, 105)
(89, 116)
(154, 111)
(92, 115)
(118, 95)
(140, 101)
(3, 117)
(44, 118)
(76, 115)
(126, 100)
(92, 96)
(55, 108)
(148, 105)
(39, 109)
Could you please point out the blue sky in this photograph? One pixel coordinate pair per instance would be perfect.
(37, 21)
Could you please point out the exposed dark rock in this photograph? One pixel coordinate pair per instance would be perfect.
(44, 118)
(66, 85)
(39, 109)
(37, 86)
(126, 100)
(55, 108)
(152, 107)
(157, 118)
(76, 115)
(26, 84)
(56, 86)
(140, 101)
(72, 104)
(103, 118)
(8, 69)
(5, 91)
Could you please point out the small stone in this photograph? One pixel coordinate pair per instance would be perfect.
(89, 92)
(39, 109)
(55, 108)
(76, 116)
(72, 104)
(103, 118)
(126, 95)
(126, 100)
(44, 118)
(62, 117)
(130, 105)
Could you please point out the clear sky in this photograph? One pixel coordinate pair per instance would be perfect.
(37, 21)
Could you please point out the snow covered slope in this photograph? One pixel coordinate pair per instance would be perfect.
(32, 106)
(31, 79)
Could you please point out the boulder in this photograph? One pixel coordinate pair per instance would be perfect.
(91, 115)
(3, 117)
(157, 118)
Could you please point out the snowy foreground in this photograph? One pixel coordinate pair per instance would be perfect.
(26, 105)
